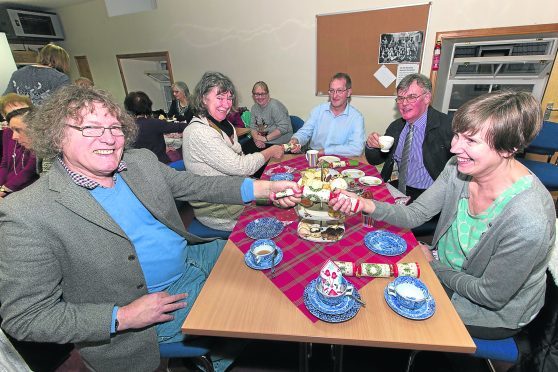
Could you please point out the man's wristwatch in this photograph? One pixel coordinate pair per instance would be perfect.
(116, 324)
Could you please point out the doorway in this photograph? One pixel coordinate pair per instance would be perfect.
(150, 73)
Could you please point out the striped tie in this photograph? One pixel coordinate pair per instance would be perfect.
(402, 183)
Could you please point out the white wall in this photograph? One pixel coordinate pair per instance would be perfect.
(251, 40)
(8, 66)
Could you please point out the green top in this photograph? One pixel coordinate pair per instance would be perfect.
(466, 230)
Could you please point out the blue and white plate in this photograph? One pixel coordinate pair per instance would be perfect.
(421, 313)
(385, 243)
(251, 262)
(282, 177)
(323, 311)
(264, 228)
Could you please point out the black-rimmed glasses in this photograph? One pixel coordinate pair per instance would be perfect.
(259, 94)
(411, 98)
(91, 131)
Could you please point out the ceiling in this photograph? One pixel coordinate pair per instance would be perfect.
(41, 4)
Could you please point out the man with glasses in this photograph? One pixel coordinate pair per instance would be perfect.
(422, 139)
(95, 252)
(334, 127)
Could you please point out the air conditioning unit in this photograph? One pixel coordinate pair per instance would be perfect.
(28, 24)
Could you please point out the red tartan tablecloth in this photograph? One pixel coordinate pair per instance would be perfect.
(303, 259)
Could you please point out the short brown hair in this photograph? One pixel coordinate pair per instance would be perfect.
(13, 99)
(54, 56)
(513, 118)
(47, 124)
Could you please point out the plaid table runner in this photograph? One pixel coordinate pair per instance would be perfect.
(303, 259)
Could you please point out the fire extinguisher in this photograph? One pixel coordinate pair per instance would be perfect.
(436, 56)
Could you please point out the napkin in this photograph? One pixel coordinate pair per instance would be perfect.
(331, 279)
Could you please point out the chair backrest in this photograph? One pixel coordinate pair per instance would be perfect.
(546, 142)
(296, 122)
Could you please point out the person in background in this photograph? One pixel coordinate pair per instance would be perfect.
(497, 222)
(151, 130)
(95, 252)
(211, 148)
(334, 127)
(40, 80)
(180, 108)
(428, 134)
(271, 113)
(83, 82)
(18, 168)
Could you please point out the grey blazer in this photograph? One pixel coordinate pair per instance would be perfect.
(65, 263)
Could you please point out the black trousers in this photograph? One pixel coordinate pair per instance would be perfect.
(249, 147)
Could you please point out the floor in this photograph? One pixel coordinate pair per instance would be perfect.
(272, 356)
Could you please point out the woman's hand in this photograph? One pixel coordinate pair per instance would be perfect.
(259, 144)
(427, 252)
(345, 205)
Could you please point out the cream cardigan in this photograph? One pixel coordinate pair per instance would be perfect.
(209, 152)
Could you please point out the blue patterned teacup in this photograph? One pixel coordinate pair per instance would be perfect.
(409, 292)
(332, 300)
(262, 251)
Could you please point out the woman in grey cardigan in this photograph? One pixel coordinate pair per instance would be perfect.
(497, 222)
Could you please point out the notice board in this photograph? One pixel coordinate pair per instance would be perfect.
(350, 42)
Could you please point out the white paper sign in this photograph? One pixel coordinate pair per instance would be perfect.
(404, 69)
(384, 76)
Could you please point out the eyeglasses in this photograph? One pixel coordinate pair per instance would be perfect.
(338, 91)
(259, 94)
(411, 98)
(90, 131)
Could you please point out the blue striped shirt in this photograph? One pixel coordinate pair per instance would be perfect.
(417, 176)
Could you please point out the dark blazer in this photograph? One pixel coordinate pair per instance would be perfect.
(66, 263)
(173, 111)
(435, 148)
(151, 136)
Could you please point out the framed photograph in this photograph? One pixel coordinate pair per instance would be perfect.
(401, 47)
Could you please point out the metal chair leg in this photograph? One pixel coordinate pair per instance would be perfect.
(411, 360)
(337, 357)
(304, 355)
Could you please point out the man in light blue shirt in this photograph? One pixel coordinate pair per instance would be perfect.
(334, 127)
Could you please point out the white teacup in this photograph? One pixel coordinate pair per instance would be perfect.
(407, 294)
(385, 143)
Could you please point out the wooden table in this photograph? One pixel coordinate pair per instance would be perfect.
(237, 301)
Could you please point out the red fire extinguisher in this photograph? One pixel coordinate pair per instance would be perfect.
(436, 56)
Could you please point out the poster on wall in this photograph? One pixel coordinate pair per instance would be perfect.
(400, 47)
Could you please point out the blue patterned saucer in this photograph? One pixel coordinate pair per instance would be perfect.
(251, 262)
(309, 302)
(282, 177)
(421, 313)
(385, 243)
(264, 228)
